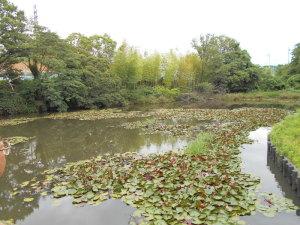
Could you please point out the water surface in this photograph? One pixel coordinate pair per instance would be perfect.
(255, 161)
(57, 142)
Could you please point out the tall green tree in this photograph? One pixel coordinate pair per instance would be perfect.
(127, 66)
(225, 64)
(45, 52)
(170, 78)
(210, 51)
(151, 69)
(12, 38)
(189, 68)
(295, 62)
(96, 51)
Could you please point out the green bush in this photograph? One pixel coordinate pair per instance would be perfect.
(204, 87)
(271, 83)
(15, 104)
(109, 100)
(12, 103)
(166, 92)
(294, 82)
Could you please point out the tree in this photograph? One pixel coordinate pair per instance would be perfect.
(151, 69)
(45, 52)
(209, 51)
(189, 68)
(170, 78)
(225, 64)
(12, 37)
(127, 66)
(95, 51)
(295, 62)
(282, 71)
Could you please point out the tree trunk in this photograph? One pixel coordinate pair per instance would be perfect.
(33, 67)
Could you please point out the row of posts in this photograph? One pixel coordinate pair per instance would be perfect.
(288, 170)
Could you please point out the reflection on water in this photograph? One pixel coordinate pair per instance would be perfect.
(283, 182)
(255, 161)
(4, 150)
(57, 142)
(164, 147)
(110, 212)
(2, 163)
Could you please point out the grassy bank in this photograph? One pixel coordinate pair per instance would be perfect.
(286, 138)
(263, 96)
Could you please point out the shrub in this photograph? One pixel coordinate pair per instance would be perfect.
(12, 103)
(166, 92)
(109, 100)
(294, 82)
(190, 97)
(204, 87)
(271, 83)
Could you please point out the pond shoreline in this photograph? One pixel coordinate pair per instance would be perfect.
(279, 99)
(272, 182)
(288, 170)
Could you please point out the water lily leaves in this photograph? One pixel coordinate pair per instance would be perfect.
(97, 114)
(160, 222)
(77, 201)
(44, 193)
(16, 121)
(270, 204)
(7, 222)
(17, 140)
(25, 183)
(174, 187)
(59, 191)
(90, 195)
(28, 199)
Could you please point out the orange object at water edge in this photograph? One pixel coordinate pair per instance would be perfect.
(2, 158)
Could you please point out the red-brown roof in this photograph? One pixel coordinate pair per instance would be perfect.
(22, 67)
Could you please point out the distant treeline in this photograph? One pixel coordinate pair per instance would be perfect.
(82, 72)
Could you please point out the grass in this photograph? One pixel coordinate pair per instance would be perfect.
(286, 138)
(202, 144)
(264, 95)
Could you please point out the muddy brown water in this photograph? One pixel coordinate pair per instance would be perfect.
(57, 142)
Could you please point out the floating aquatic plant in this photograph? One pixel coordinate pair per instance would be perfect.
(17, 140)
(175, 187)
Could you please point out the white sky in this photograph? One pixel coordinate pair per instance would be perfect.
(261, 26)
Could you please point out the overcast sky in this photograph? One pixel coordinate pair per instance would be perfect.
(262, 27)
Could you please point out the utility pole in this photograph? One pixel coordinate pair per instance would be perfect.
(289, 50)
(269, 59)
(35, 16)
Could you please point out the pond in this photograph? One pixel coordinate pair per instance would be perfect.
(57, 142)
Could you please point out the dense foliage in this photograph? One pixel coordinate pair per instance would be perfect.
(40, 71)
